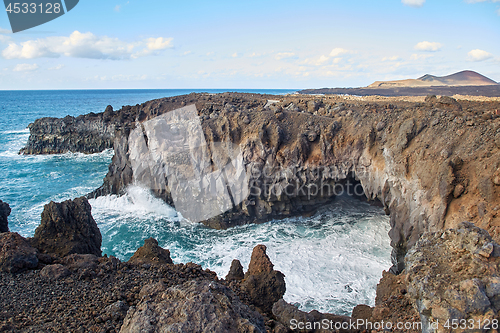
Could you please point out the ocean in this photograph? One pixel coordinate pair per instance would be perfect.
(332, 260)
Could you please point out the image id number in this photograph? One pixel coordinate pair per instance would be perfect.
(33, 8)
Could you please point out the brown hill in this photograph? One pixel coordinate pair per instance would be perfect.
(463, 78)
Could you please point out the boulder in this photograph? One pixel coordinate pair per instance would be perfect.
(236, 271)
(54, 272)
(151, 253)
(4, 213)
(263, 285)
(362, 311)
(116, 311)
(381, 125)
(195, 306)
(454, 274)
(290, 316)
(77, 262)
(68, 228)
(16, 253)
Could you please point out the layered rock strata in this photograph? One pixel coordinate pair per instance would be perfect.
(430, 164)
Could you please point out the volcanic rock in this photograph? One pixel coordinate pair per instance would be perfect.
(195, 306)
(151, 253)
(54, 272)
(262, 283)
(407, 166)
(81, 261)
(116, 311)
(454, 274)
(68, 228)
(16, 253)
(288, 314)
(4, 213)
(236, 271)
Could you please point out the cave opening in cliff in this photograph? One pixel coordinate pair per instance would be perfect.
(332, 257)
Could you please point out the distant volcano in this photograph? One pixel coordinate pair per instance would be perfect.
(463, 78)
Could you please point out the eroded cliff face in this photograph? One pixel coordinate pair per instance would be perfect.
(431, 164)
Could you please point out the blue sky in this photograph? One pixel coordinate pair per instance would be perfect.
(257, 44)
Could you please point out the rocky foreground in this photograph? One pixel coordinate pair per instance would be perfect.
(64, 284)
(433, 164)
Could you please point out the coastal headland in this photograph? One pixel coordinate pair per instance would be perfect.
(432, 163)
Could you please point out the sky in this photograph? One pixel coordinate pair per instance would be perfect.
(272, 44)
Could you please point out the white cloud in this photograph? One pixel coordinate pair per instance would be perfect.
(284, 55)
(498, 12)
(55, 68)
(4, 39)
(25, 67)
(4, 35)
(478, 55)
(413, 3)
(428, 46)
(322, 60)
(234, 55)
(84, 45)
(393, 58)
(159, 43)
(420, 56)
(338, 51)
(476, 1)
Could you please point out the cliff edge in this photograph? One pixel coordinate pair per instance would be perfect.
(431, 164)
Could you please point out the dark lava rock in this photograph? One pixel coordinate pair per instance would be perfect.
(381, 125)
(151, 253)
(438, 292)
(262, 283)
(116, 311)
(431, 99)
(288, 314)
(236, 271)
(68, 228)
(195, 306)
(259, 262)
(54, 272)
(449, 101)
(4, 213)
(81, 261)
(362, 311)
(16, 253)
(311, 136)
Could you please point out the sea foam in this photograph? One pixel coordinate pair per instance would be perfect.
(332, 261)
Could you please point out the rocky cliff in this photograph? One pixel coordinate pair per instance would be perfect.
(430, 163)
(4, 214)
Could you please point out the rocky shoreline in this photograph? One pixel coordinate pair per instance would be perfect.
(62, 285)
(432, 165)
(59, 286)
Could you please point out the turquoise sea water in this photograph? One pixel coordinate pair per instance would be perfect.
(332, 260)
